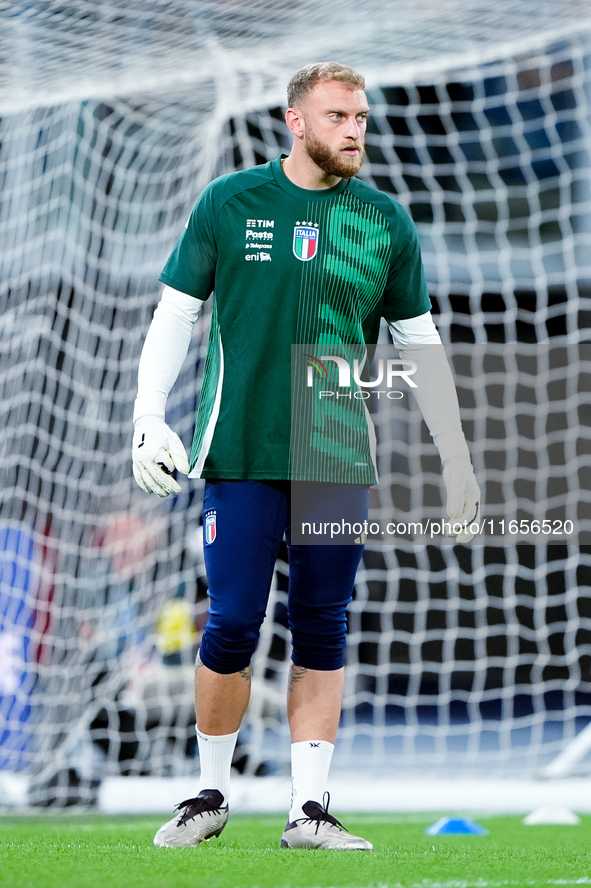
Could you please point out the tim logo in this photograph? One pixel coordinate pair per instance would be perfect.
(305, 242)
(210, 527)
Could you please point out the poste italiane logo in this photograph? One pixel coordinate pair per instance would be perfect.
(305, 241)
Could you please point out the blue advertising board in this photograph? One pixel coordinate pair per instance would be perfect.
(18, 584)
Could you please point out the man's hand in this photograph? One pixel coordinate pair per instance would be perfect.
(157, 451)
(463, 496)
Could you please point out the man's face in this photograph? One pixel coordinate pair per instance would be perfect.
(335, 120)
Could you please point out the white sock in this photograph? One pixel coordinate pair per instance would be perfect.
(215, 758)
(310, 763)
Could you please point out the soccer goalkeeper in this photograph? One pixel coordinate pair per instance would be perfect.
(295, 251)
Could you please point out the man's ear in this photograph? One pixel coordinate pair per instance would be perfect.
(295, 122)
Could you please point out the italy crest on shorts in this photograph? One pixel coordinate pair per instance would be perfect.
(210, 527)
(305, 242)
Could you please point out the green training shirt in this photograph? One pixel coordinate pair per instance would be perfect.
(288, 266)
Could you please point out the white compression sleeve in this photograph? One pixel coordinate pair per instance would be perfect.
(164, 351)
(415, 331)
(418, 340)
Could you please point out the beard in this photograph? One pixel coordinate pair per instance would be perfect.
(334, 163)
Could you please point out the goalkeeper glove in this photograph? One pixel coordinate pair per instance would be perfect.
(463, 496)
(157, 451)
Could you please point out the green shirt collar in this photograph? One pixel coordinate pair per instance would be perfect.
(303, 193)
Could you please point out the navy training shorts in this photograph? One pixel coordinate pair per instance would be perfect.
(244, 523)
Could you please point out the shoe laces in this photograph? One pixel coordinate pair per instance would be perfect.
(317, 813)
(209, 801)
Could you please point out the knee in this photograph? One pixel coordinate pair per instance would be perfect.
(228, 642)
(319, 637)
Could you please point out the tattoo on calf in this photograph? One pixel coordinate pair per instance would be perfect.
(296, 673)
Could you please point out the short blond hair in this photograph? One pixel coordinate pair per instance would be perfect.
(304, 80)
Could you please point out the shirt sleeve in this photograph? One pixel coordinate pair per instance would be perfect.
(190, 267)
(406, 294)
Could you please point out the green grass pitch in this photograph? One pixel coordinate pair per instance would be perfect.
(92, 851)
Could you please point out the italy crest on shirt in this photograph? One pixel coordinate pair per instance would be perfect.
(305, 242)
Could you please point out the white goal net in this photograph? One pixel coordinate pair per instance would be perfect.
(113, 118)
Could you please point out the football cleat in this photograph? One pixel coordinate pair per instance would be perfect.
(319, 829)
(202, 819)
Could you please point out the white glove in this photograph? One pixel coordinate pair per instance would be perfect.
(157, 451)
(463, 496)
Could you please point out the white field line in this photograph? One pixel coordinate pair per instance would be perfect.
(483, 883)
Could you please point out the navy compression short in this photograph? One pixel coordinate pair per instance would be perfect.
(244, 523)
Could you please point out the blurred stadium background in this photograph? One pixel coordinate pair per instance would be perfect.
(469, 666)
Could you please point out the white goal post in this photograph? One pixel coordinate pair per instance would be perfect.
(468, 659)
